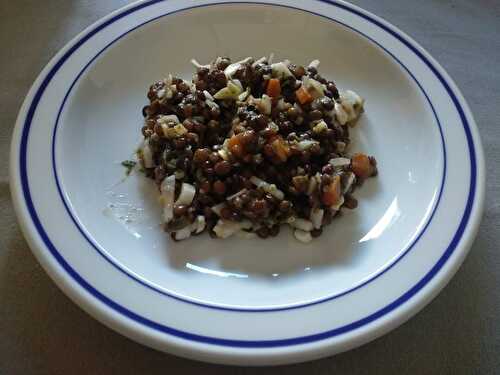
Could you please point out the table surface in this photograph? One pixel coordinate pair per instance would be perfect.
(43, 332)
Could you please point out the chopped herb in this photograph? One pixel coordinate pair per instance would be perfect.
(129, 164)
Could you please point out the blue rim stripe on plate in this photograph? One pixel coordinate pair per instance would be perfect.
(137, 279)
(229, 342)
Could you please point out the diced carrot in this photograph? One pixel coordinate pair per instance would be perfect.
(281, 149)
(235, 146)
(361, 166)
(303, 95)
(273, 88)
(332, 194)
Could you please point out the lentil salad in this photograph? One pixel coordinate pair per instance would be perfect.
(245, 147)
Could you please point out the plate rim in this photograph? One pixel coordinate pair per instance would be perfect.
(463, 244)
(234, 308)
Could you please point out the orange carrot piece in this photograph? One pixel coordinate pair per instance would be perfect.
(303, 95)
(361, 166)
(281, 149)
(236, 146)
(273, 88)
(332, 194)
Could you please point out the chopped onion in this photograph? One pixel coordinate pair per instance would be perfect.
(281, 105)
(232, 68)
(167, 189)
(340, 114)
(350, 181)
(315, 88)
(226, 228)
(208, 95)
(314, 64)
(244, 95)
(211, 104)
(271, 58)
(198, 65)
(161, 93)
(302, 236)
(264, 104)
(339, 162)
(352, 104)
(147, 155)
(223, 154)
(317, 217)
(272, 126)
(187, 194)
(257, 62)
(237, 82)
(242, 191)
(280, 70)
(231, 91)
(320, 127)
(168, 118)
(198, 225)
(298, 108)
(302, 224)
(313, 183)
(306, 144)
(218, 207)
(183, 233)
(341, 146)
(267, 187)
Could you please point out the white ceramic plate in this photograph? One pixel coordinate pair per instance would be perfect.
(239, 301)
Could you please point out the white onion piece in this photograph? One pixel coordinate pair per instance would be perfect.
(341, 146)
(340, 114)
(211, 104)
(314, 64)
(242, 191)
(187, 194)
(352, 104)
(271, 58)
(218, 207)
(167, 189)
(267, 187)
(313, 183)
(183, 233)
(317, 217)
(226, 228)
(280, 70)
(350, 181)
(306, 144)
(208, 95)
(161, 93)
(257, 62)
(147, 155)
(264, 104)
(339, 162)
(281, 105)
(302, 224)
(168, 118)
(198, 65)
(198, 224)
(244, 95)
(231, 69)
(302, 236)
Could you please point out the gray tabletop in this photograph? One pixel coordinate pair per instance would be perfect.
(43, 332)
